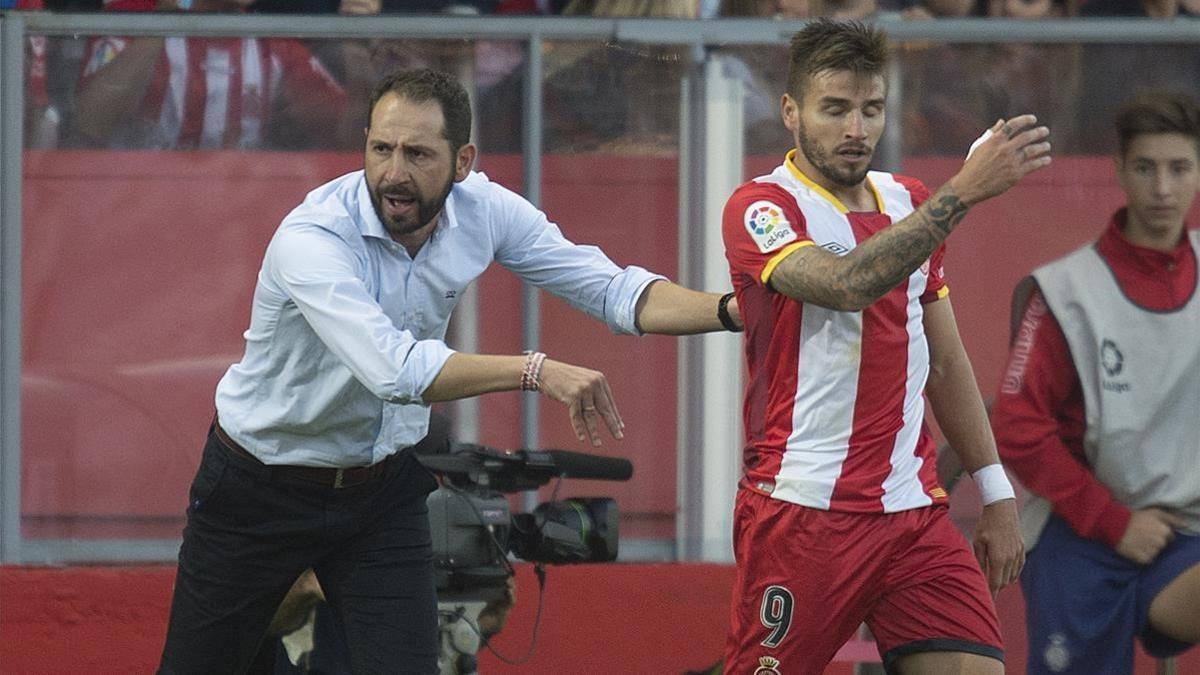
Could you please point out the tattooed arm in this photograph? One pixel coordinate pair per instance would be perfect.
(854, 281)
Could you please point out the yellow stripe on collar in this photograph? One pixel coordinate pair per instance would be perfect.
(790, 161)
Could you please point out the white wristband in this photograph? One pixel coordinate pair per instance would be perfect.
(993, 484)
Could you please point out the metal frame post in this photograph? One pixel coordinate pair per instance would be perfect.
(531, 164)
(12, 101)
(710, 372)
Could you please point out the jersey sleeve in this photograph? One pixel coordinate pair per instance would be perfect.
(935, 285)
(761, 226)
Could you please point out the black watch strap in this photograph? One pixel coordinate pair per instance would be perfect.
(723, 314)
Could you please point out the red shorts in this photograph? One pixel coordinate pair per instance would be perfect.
(807, 578)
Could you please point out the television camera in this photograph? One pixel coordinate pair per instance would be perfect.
(474, 529)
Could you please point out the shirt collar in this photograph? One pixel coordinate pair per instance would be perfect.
(790, 162)
(368, 221)
(1114, 245)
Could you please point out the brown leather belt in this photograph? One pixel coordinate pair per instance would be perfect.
(329, 477)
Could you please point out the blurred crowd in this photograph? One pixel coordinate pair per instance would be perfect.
(289, 94)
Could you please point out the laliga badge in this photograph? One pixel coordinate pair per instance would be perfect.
(767, 225)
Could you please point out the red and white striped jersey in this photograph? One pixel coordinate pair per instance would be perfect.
(219, 92)
(834, 406)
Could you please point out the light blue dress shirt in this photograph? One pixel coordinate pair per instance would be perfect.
(346, 328)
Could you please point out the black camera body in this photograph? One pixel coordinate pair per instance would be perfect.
(474, 528)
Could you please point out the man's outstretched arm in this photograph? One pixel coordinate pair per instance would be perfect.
(670, 309)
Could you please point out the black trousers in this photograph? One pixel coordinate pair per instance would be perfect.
(250, 533)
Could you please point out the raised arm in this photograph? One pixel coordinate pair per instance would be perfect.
(877, 265)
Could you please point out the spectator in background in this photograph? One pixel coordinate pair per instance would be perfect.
(357, 63)
(943, 118)
(531, 6)
(1154, 9)
(599, 98)
(612, 98)
(763, 71)
(1112, 73)
(670, 9)
(798, 9)
(775, 9)
(386, 6)
(42, 117)
(964, 87)
(198, 92)
(1097, 415)
(846, 10)
(939, 9)
(348, 61)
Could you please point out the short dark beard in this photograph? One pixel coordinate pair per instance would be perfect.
(816, 156)
(427, 209)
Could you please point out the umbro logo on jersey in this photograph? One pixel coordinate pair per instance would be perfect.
(834, 247)
(450, 295)
(767, 225)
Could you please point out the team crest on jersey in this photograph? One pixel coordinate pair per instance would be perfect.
(767, 225)
(767, 665)
(1057, 656)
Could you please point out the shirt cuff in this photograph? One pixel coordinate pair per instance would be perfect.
(620, 301)
(421, 367)
(1112, 523)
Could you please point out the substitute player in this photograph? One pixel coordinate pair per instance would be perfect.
(1097, 415)
(838, 273)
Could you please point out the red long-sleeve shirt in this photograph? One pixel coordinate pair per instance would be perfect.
(1038, 416)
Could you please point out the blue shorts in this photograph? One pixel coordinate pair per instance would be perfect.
(1085, 602)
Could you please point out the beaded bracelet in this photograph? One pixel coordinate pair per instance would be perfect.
(531, 374)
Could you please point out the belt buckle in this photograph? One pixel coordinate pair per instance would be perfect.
(337, 478)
